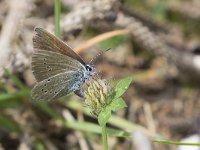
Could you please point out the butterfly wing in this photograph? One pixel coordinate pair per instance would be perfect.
(46, 64)
(44, 40)
(57, 86)
(56, 66)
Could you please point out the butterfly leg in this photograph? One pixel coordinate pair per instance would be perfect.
(80, 93)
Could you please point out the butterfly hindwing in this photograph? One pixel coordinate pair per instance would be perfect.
(56, 86)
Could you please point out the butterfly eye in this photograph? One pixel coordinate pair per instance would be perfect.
(88, 68)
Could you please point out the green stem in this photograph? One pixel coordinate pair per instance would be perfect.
(175, 143)
(57, 10)
(104, 137)
(5, 97)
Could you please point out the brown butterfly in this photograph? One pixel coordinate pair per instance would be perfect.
(56, 67)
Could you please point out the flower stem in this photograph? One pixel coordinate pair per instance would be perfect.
(57, 10)
(104, 137)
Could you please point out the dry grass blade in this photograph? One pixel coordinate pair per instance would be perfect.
(100, 38)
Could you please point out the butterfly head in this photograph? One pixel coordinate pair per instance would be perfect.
(89, 68)
(89, 71)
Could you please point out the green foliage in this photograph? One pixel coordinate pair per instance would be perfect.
(9, 124)
(22, 91)
(116, 103)
(39, 145)
(105, 114)
(121, 87)
(94, 128)
(75, 125)
(9, 103)
(11, 100)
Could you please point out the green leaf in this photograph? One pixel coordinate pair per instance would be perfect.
(117, 104)
(104, 115)
(121, 87)
(117, 133)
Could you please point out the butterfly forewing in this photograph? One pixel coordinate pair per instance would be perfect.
(46, 64)
(56, 86)
(44, 40)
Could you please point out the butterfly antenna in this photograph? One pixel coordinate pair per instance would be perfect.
(98, 55)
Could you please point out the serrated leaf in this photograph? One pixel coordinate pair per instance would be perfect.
(121, 87)
(104, 115)
(117, 104)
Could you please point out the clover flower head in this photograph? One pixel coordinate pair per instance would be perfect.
(97, 94)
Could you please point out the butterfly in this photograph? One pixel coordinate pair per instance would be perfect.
(56, 67)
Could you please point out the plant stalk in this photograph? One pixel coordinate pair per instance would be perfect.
(104, 137)
(57, 11)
